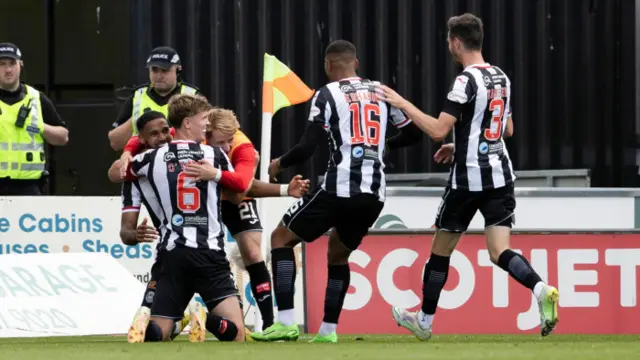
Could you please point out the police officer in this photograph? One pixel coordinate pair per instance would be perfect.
(164, 68)
(27, 120)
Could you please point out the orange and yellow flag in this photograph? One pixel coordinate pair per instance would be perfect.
(281, 87)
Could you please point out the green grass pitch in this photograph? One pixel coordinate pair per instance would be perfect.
(366, 347)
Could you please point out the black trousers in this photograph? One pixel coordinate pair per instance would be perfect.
(20, 187)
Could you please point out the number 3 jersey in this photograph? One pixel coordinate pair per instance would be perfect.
(480, 100)
(188, 209)
(356, 124)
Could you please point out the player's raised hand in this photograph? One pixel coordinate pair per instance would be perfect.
(298, 186)
(274, 169)
(201, 171)
(444, 155)
(146, 233)
(390, 96)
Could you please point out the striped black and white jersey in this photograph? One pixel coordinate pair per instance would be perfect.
(188, 211)
(134, 194)
(356, 124)
(480, 100)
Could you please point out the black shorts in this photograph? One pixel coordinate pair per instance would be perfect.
(186, 271)
(315, 213)
(242, 217)
(458, 207)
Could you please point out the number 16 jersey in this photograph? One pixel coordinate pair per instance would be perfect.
(188, 209)
(356, 124)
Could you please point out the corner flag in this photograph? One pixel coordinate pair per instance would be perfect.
(281, 87)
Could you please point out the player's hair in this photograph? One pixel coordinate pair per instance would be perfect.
(146, 117)
(182, 106)
(468, 29)
(223, 120)
(341, 47)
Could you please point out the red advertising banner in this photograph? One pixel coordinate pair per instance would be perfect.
(596, 276)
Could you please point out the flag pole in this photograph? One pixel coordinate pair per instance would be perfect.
(265, 159)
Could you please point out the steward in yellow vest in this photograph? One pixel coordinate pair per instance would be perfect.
(164, 67)
(28, 120)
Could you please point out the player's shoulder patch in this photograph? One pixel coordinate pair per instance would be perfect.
(458, 92)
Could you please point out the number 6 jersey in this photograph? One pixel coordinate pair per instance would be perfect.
(480, 100)
(189, 210)
(356, 124)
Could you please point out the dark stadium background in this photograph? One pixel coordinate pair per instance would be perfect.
(572, 64)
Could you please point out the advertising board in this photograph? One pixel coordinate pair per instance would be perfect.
(596, 276)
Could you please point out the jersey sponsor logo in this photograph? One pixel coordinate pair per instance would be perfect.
(483, 148)
(487, 81)
(357, 152)
(169, 156)
(177, 220)
(371, 153)
(347, 88)
(195, 220)
(188, 154)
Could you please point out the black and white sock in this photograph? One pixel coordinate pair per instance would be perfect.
(337, 286)
(283, 266)
(436, 272)
(519, 268)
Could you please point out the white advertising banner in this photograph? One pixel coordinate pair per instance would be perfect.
(92, 224)
(65, 294)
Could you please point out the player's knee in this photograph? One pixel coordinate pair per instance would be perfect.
(153, 333)
(281, 237)
(223, 329)
(444, 243)
(250, 249)
(337, 254)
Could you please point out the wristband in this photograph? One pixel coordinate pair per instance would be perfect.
(284, 190)
(218, 176)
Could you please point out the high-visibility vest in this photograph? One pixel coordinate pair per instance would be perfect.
(143, 103)
(22, 148)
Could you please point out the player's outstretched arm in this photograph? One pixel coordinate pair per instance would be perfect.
(296, 188)
(299, 153)
(437, 129)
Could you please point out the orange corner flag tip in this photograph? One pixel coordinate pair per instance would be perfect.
(281, 87)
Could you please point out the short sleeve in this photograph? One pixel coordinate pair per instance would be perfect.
(320, 110)
(398, 118)
(131, 197)
(462, 92)
(141, 162)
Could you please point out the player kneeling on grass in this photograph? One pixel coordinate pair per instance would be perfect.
(154, 132)
(193, 260)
